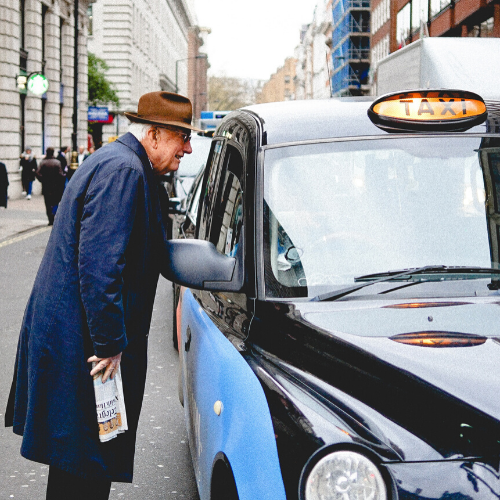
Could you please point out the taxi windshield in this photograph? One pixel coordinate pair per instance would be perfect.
(340, 210)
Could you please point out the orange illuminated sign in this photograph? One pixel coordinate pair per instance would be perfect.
(431, 110)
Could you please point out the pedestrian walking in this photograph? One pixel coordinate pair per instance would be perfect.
(28, 166)
(92, 301)
(82, 155)
(4, 185)
(50, 174)
(61, 156)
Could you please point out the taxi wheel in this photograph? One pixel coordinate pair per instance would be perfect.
(223, 484)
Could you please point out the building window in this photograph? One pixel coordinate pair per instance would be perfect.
(379, 51)
(21, 22)
(403, 25)
(483, 30)
(437, 6)
(414, 13)
(381, 14)
(419, 13)
(89, 14)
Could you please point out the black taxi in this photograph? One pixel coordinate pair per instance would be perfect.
(338, 320)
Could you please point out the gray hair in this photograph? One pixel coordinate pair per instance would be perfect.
(139, 130)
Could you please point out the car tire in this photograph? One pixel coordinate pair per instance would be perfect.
(223, 483)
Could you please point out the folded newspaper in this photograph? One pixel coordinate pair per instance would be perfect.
(110, 405)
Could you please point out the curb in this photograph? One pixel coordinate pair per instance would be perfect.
(22, 235)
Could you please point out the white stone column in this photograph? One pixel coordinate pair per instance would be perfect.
(82, 75)
(9, 94)
(52, 72)
(67, 74)
(33, 44)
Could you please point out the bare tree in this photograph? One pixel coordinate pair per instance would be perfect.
(228, 93)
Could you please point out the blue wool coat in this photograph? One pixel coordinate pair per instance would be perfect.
(93, 294)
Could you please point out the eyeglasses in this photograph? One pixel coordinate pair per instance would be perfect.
(185, 137)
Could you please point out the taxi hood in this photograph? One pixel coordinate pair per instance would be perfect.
(435, 392)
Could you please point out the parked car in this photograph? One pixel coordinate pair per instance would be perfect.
(338, 315)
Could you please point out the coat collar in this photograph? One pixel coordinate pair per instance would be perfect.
(153, 180)
(132, 143)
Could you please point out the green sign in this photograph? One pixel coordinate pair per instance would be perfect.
(38, 84)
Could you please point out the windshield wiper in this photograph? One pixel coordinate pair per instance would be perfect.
(436, 270)
(371, 279)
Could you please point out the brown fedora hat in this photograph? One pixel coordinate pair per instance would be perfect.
(164, 108)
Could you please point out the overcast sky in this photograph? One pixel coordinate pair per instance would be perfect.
(252, 38)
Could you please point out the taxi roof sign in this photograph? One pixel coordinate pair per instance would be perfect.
(428, 110)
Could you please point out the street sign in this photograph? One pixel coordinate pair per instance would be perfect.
(98, 114)
(38, 84)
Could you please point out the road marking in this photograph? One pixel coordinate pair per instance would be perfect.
(15, 239)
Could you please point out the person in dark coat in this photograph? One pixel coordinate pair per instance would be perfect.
(28, 166)
(61, 156)
(92, 301)
(51, 175)
(4, 184)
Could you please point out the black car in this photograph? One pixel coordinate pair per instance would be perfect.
(338, 318)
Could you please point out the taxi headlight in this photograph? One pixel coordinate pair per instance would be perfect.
(345, 475)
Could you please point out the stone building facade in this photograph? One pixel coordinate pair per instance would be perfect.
(148, 45)
(312, 61)
(281, 85)
(38, 37)
(314, 55)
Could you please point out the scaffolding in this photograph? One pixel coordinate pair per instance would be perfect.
(350, 47)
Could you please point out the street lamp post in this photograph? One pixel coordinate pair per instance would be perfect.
(74, 135)
(200, 56)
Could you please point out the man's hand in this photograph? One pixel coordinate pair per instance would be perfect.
(111, 365)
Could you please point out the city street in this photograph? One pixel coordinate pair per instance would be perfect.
(163, 467)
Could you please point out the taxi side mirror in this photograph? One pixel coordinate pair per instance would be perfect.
(198, 264)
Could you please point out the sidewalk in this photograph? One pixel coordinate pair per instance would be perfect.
(22, 215)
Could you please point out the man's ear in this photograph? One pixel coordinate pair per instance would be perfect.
(152, 133)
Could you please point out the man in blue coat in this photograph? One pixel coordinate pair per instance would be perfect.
(92, 301)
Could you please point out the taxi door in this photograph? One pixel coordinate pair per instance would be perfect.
(227, 415)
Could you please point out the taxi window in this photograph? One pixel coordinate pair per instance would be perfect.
(192, 208)
(340, 210)
(228, 211)
(207, 197)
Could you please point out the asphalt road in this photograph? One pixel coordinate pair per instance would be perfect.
(163, 467)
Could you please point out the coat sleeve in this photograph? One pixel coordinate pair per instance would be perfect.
(106, 225)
